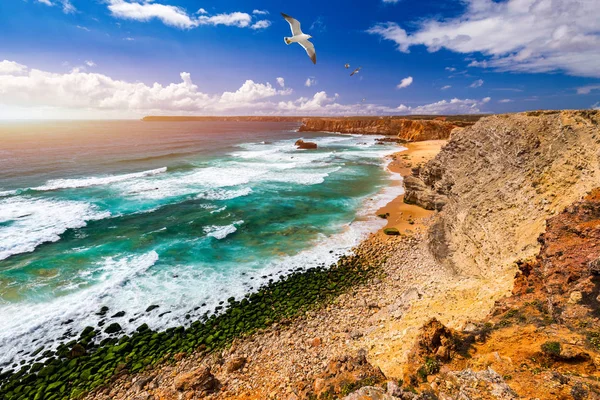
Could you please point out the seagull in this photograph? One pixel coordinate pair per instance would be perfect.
(300, 38)
(347, 65)
(355, 71)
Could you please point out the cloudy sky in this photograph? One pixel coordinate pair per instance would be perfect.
(129, 58)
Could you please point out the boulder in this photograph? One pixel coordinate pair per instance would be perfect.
(391, 231)
(113, 328)
(235, 364)
(301, 144)
(200, 380)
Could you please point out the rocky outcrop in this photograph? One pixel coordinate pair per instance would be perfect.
(405, 129)
(500, 179)
(419, 193)
(301, 144)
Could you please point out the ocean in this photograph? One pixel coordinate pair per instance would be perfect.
(132, 214)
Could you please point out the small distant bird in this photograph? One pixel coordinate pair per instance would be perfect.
(347, 66)
(300, 38)
(356, 71)
(363, 100)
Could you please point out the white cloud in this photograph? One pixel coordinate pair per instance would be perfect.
(515, 35)
(406, 82)
(280, 81)
(129, 39)
(251, 91)
(260, 12)
(450, 69)
(78, 94)
(454, 106)
(391, 1)
(238, 19)
(202, 11)
(90, 63)
(477, 83)
(446, 87)
(173, 15)
(310, 82)
(505, 101)
(83, 28)
(587, 89)
(262, 24)
(67, 7)
(12, 68)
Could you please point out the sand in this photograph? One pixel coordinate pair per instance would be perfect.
(408, 218)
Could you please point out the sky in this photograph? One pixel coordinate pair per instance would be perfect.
(113, 59)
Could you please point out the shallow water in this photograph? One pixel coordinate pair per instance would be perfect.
(180, 215)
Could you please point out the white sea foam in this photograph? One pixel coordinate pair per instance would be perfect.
(56, 184)
(29, 222)
(221, 232)
(6, 193)
(116, 286)
(222, 194)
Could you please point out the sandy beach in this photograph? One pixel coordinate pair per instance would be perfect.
(409, 218)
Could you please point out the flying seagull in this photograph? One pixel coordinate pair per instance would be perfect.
(300, 38)
(347, 65)
(355, 71)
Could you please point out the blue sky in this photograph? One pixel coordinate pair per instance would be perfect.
(126, 58)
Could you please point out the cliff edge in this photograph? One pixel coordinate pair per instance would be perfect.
(409, 130)
(498, 181)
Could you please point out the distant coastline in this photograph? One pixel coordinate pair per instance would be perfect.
(472, 118)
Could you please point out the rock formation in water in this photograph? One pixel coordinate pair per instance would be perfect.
(301, 144)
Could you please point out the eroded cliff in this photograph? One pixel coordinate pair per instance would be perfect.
(409, 130)
(499, 181)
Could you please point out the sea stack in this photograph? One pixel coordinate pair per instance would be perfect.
(301, 144)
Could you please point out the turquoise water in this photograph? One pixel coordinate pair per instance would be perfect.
(179, 215)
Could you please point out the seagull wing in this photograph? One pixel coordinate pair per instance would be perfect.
(355, 71)
(294, 24)
(310, 50)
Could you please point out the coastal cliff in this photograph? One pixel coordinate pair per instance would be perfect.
(499, 180)
(404, 129)
(496, 296)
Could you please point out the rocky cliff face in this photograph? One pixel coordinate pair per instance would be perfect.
(404, 129)
(500, 180)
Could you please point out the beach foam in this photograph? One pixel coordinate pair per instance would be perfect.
(57, 184)
(28, 222)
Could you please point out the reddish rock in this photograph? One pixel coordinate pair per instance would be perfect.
(301, 144)
(402, 128)
(236, 364)
(200, 380)
(315, 342)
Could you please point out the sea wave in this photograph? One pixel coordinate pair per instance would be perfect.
(57, 184)
(221, 232)
(42, 323)
(28, 222)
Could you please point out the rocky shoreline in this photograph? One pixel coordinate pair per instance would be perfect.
(492, 294)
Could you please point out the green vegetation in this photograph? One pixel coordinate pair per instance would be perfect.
(82, 365)
(431, 366)
(551, 348)
(391, 231)
(351, 387)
